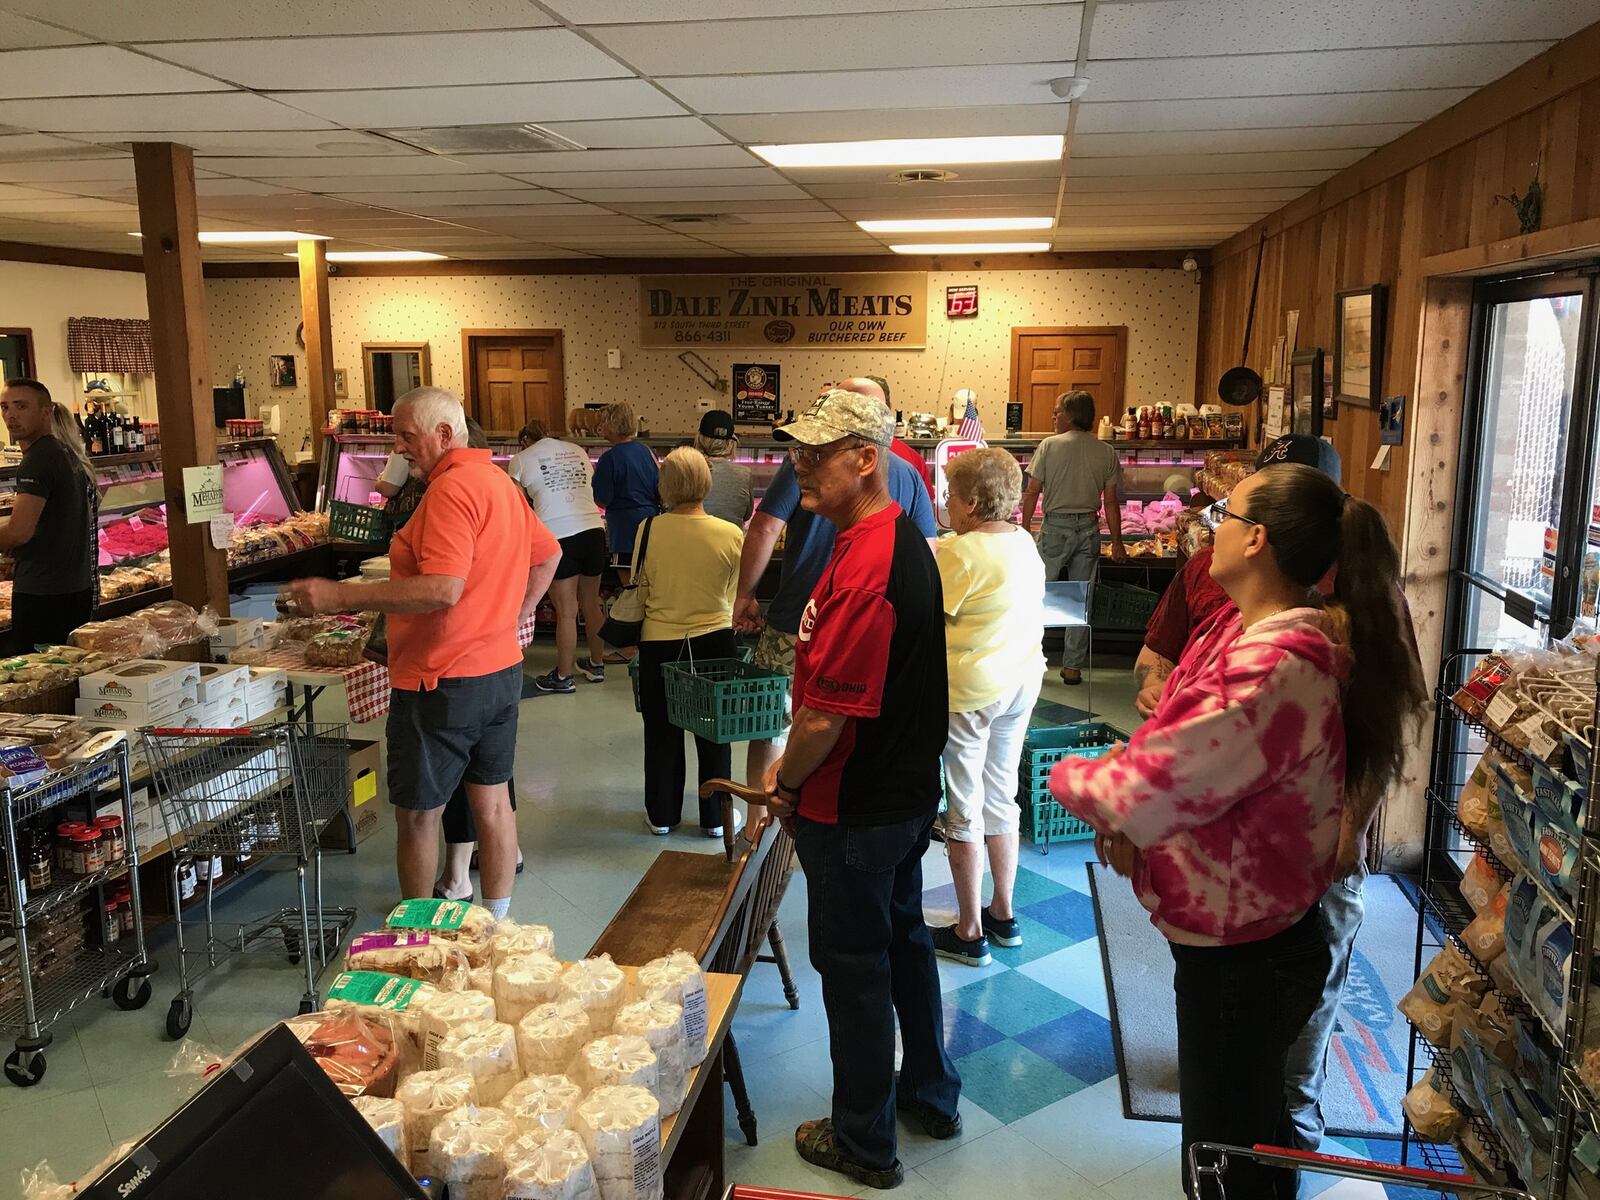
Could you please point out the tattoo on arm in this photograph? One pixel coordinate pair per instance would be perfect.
(1146, 673)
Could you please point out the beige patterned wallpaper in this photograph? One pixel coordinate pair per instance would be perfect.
(250, 319)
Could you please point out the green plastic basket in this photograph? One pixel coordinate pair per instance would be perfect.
(1121, 605)
(1043, 820)
(725, 700)
(358, 523)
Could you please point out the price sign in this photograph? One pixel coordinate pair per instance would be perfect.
(961, 301)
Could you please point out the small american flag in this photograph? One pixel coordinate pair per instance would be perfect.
(971, 428)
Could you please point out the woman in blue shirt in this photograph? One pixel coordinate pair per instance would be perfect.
(625, 481)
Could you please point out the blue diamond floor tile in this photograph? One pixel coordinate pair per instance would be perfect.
(1011, 1003)
(1070, 913)
(1010, 1081)
(965, 1033)
(1038, 941)
(1079, 1043)
(1032, 888)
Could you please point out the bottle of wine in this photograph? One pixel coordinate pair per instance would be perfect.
(96, 430)
(119, 437)
(138, 436)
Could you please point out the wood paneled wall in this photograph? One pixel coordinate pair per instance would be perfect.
(1427, 193)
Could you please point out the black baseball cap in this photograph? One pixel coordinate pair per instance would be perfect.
(1304, 449)
(716, 424)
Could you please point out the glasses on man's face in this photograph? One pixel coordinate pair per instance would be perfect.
(812, 457)
(1220, 509)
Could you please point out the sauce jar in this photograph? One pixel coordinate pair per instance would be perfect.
(125, 909)
(88, 853)
(64, 833)
(116, 845)
(110, 923)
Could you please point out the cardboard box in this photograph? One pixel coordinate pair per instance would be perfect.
(217, 681)
(236, 631)
(144, 681)
(130, 715)
(368, 797)
(226, 712)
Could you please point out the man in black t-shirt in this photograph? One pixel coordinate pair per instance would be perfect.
(859, 785)
(51, 531)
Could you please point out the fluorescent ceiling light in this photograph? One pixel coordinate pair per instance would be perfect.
(360, 256)
(245, 237)
(972, 248)
(955, 224)
(915, 152)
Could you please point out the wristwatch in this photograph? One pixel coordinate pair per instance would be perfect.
(784, 787)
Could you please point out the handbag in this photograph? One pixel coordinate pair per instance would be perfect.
(624, 624)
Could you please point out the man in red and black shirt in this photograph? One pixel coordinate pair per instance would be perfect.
(859, 785)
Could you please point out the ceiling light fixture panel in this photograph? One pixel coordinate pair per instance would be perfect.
(973, 248)
(955, 224)
(251, 237)
(378, 256)
(913, 152)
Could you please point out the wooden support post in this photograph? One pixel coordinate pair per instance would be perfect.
(171, 227)
(318, 334)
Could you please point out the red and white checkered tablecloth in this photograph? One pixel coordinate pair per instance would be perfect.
(366, 685)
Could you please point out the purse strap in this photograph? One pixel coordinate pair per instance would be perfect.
(643, 547)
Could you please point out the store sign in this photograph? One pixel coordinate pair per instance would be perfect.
(755, 393)
(799, 312)
(961, 301)
(202, 493)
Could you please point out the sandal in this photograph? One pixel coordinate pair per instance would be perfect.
(439, 895)
(814, 1141)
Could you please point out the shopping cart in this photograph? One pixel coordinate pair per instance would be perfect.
(1208, 1163)
(250, 794)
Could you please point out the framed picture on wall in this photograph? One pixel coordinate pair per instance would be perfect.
(1358, 324)
(341, 383)
(281, 368)
(1305, 392)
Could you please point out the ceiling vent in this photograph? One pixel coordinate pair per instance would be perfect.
(923, 175)
(484, 139)
(699, 219)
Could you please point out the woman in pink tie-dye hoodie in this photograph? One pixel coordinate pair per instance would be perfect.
(1228, 800)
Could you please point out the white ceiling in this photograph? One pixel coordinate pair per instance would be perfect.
(1200, 115)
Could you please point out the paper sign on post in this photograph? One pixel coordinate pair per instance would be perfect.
(222, 530)
(202, 493)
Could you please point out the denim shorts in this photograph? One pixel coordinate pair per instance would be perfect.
(464, 730)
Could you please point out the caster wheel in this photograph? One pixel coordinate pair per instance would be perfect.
(179, 1017)
(131, 993)
(25, 1070)
(306, 1006)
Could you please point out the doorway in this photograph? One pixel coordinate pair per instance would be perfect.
(514, 376)
(1046, 361)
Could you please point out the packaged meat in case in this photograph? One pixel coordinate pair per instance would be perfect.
(542, 1102)
(621, 1130)
(549, 1164)
(425, 1098)
(467, 1151)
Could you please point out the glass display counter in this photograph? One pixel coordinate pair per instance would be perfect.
(352, 462)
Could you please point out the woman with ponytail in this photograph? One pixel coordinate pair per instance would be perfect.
(1231, 797)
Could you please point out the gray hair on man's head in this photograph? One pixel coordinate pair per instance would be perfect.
(432, 407)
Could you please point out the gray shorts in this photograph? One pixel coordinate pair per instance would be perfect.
(464, 730)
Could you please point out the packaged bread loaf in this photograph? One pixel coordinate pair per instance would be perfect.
(549, 1037)
(486, 1050)
(444, 1012)
(678, 978)
(424, 1098)
(660, 1024)
(618, 1060)
(481, 979)
(511, 940)
(542, 1102)
(392, 999)
(523, 982)
(599, 985)
(410, 952)
(467, 925)
(387, 1118)
(358, 1054)
(467, 1151)
(621, 1130)
(549, 1164)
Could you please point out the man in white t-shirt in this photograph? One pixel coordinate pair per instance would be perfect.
(559, 480)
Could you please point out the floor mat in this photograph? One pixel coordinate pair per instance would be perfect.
(1367, 1059)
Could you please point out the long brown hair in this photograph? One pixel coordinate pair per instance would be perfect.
(1313, 525)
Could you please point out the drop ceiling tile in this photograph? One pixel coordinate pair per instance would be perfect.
(47, 206)
(1164, 164)
(417, 201)
(945, 205)
(169, 114)
(850, 125)
(69, 170)
(712, 177)
(1237, 141)
(789, 220)
(161, 20)
(473, 213)
(633, 195)
(1350, 108)
(564, 162)
(963, 173)
(336, 144)
(953, 37)
(93, 71)
(430, 59)
(397, 184)
(41, 146)
(1165, 204)
(821, 91)
(1299, 181)
(957, 188)
(411, 162)
(1087, 192)
(638, 133)
(19, 33)
(404, 108)
(596, 222)
(606, 12)
(646, 207)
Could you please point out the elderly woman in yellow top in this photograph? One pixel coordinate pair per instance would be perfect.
(993, 583)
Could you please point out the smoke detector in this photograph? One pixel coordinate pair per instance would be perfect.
(485, 139)
(923, 175)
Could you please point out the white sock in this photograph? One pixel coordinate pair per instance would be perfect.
(499, 909)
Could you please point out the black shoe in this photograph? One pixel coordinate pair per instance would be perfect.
(594, 672)
(814, 1141)
(548, 684)
(934, 1123)
(1001, 933)
(948, 944)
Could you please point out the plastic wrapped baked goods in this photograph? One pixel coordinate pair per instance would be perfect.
(122, 638)
(621, 1129)
(392, 999)
(358, 1054)
(387, 1118)
(425, 1098)
(1485, 936)
(511, 940)
(336, 649)
(524, 982)
(410, 952)
(444, 1012)
(1430, 1110)
(173, 621)
(481, 979)
(467, 1151)
(1429, 1005)
(678, 978)
(549, 1037)
(621, 1060)
(467, 925)
(542, 1102)
(599, 985)
(549, 1164)
(1478, 808)
(1479, 883)
(660, 1023)
(487, 1050)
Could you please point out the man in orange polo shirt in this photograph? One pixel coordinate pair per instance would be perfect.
(467, 568)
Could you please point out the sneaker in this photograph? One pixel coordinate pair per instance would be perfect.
(658, 830)
(549, 684)
(594, 672)
(1001, 933)
(934, 1123)
(814, 1141)
(948, 944)
(715, 831)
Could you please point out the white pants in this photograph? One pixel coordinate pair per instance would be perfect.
(980, 765)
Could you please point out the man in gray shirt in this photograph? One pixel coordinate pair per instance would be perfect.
(732, 497)
(1075, 472)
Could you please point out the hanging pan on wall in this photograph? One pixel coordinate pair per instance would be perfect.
(1240, 385)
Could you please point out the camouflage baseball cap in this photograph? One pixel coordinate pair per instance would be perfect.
(839, 414)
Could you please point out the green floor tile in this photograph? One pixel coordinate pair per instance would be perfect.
(1011, 1003)
(1010, 1081)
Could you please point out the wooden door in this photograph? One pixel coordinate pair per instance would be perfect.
(516, 377)
(1047, 362)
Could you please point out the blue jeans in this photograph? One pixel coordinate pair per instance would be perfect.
(1307, 1066)
(1069, 543)
(873, 950)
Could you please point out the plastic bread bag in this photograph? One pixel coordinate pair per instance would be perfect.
(416, 954)
(618, 1060)
(481, 979)
(39, 1182)
(392, 999)
(1479, 883)
(621, 1130)
(511, 940)
(446, 1010)
(660, 1023)
(358, 1054)
(387, 1118)
(1486, 679)
(549, 1164)
(1430, 1110)
(487, 1050)
(424, 1099)
(1485, 935)
(468, 925)
(542, 1102)
(467, 1151)
(524, 981)
(550, 1037)
(678, 978)
(599, 985)
(1446, 979)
